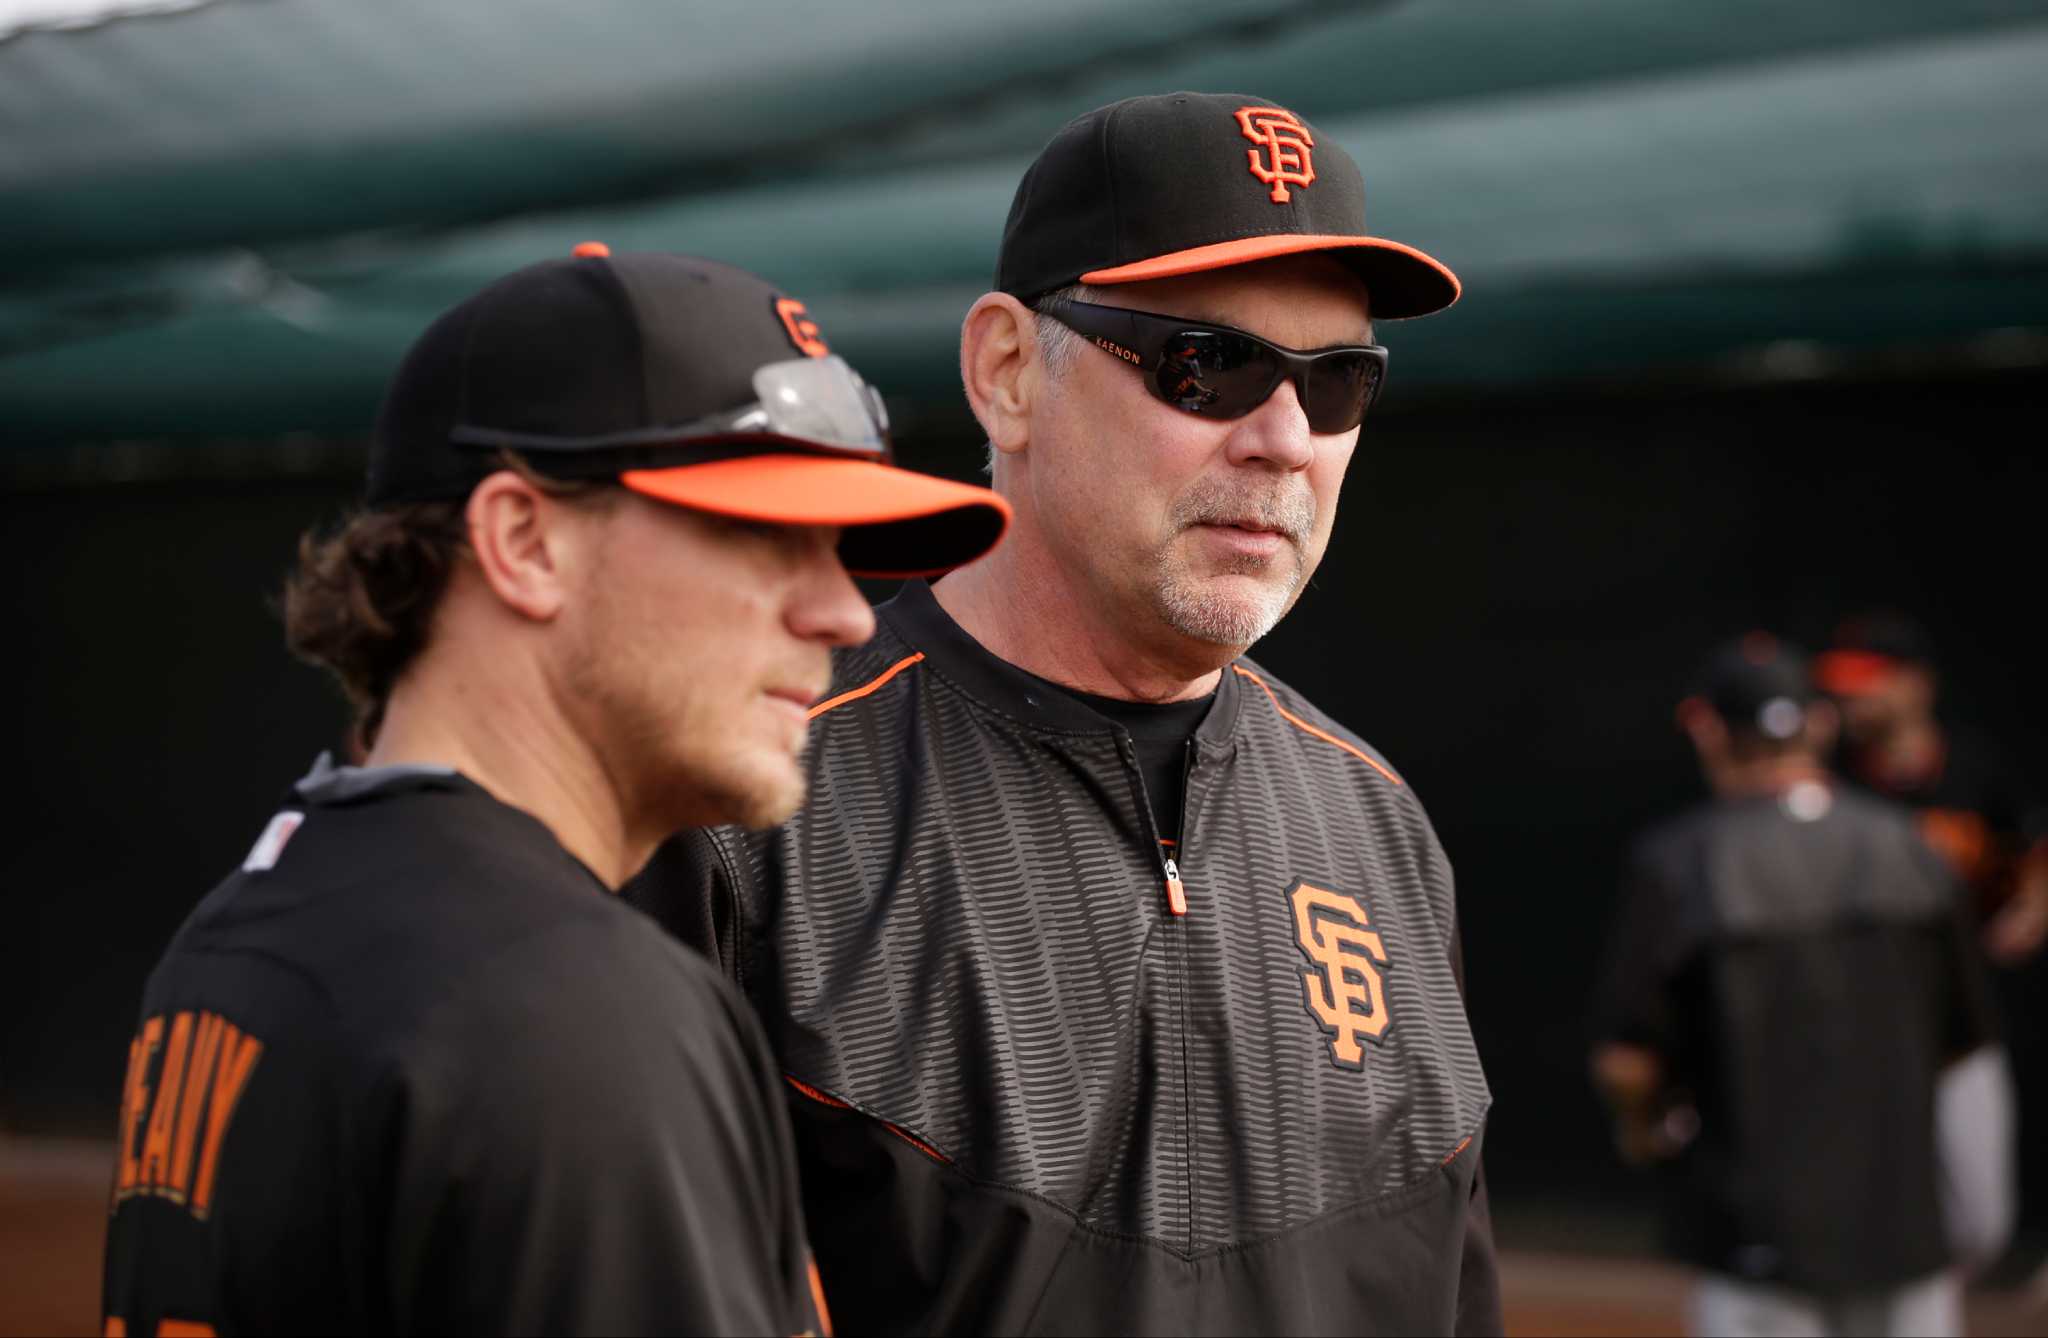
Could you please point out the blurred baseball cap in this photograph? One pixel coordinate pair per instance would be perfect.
(1178, 183)
(1758, 684)
(1869, 650)
(685, 380)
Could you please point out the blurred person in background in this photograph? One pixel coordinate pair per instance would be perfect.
(1971, 802)
(1791, 971)
(1974, 806)
(413, 1067)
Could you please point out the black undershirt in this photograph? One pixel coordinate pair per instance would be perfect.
(1159, 732)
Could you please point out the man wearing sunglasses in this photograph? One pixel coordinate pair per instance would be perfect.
(1117, 983)
(413, 1068)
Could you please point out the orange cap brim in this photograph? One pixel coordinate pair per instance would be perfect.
(1401, 280)
(1853, 673)
(897, 523)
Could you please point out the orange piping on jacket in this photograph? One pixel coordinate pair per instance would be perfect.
(1303, 725)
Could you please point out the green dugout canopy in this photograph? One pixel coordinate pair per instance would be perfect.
(228, 219)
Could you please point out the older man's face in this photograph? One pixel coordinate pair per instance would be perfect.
(1205, 529)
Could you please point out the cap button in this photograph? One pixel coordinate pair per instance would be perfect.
(590, 250)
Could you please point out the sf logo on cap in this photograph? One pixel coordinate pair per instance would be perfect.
(1286, 142)
(801, 329)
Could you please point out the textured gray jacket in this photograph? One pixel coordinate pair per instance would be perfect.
(1030, 1095)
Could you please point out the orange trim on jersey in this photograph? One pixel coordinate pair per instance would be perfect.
(863, 690)
(824, 1098)
(1459, 1150)
(818, 1300)
(827, 1099)
(1303, 725)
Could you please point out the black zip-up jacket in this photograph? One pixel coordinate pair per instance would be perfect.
(1029, 1096)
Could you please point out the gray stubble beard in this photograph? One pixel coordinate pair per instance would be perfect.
(1234, 622)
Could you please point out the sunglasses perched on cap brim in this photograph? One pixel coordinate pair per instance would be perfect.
(1216, 371)
(816, 403)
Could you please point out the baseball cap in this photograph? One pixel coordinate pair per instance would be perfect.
(1759, 684)
(687, 381)
(1178, 183)
(1868, 650)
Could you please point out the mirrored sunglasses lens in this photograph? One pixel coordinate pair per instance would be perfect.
(821, 400)
(1340, 386)
(1212, 373)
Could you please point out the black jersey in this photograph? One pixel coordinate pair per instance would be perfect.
(1041, 1083)
(1803, 964)
(414, 1069)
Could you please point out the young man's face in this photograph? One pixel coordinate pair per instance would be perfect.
(698, 645)
(1207, 527)
(1899, 698)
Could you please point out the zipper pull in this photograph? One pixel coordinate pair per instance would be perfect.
(1176, 895)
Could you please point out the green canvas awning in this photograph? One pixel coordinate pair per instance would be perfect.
(229, 220)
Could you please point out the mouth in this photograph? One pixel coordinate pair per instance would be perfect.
(796, 699)
(1245, 537)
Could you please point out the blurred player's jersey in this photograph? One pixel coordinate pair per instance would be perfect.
(1803, 964)
(414, 1069)
(1972, 806)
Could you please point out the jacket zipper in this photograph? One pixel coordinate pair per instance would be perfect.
(1176, 891)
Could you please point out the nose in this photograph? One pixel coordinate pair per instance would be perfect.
(1275, 434)
(826, 606)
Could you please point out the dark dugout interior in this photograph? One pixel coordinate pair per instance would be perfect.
(1517, 591)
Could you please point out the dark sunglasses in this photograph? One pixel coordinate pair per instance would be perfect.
(1220, 372)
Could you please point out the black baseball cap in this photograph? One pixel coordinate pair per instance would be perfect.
(1758, 684)
(687, 381)
(1869, 650)
(1178, 183)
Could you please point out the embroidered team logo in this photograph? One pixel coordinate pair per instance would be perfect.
(1285, 144)
(1341, 984)
(801, 329)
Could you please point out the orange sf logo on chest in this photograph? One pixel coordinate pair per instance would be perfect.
(1287, 144)
(1342, 985)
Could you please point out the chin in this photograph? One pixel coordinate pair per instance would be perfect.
(754, 790)
(1232, 611)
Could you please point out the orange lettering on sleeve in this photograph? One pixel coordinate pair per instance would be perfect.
(135, 1096)
(163, 1118)
(238, 1054)
(183, 1328)
(205, 1044)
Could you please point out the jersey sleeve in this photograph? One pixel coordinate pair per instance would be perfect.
(1479, 1299)
(1632, 1003)
(593, 1140)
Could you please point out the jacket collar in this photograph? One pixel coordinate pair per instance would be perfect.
(915, 616)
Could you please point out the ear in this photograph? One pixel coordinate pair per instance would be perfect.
(1709, 734)
(516, 532)
(999, 368)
